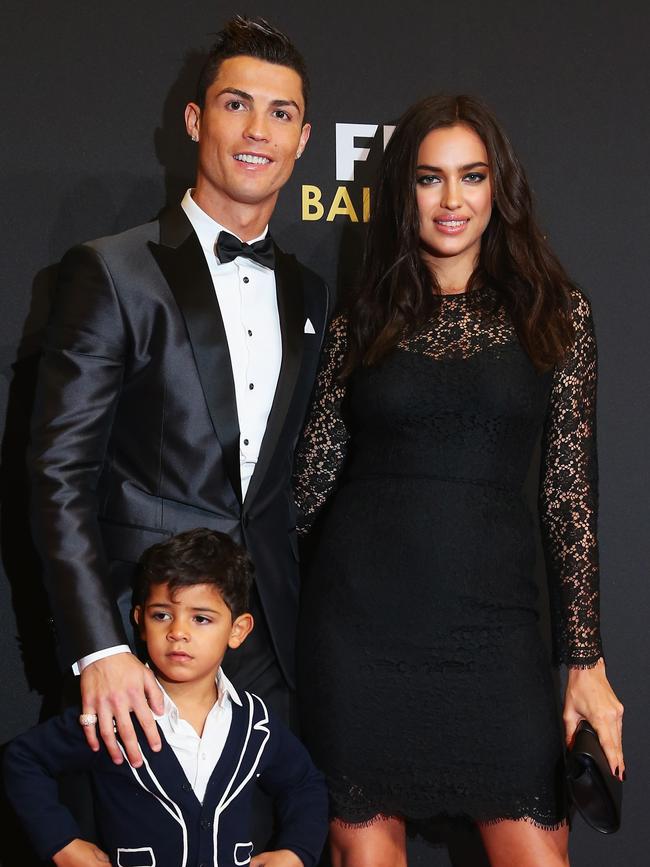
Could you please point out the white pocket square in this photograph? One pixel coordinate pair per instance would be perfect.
(309, 328)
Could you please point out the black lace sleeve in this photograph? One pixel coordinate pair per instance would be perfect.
(569, 498)
(322, 448)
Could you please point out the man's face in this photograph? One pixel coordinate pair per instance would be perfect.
(250, 132)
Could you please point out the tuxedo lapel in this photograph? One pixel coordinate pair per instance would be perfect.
(182, 262)
(291, 313)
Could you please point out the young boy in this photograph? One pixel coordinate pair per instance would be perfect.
(188, 804)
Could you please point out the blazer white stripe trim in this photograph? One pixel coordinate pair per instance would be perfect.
(227, 798)
(260, 726)
(176, 813)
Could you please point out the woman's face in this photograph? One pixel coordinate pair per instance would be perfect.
(454, 196)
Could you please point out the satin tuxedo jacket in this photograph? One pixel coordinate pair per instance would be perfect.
(150, 815)
(135, 431)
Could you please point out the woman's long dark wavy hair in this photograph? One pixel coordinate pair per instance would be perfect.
(397, 291)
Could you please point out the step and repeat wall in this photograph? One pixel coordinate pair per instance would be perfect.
(94, 142)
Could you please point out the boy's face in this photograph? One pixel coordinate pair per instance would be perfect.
(188, 634)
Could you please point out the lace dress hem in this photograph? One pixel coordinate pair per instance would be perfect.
(497, 820)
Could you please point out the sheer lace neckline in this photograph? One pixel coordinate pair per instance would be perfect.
(457, 296)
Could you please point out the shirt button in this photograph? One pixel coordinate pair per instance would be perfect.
(245, 442)
(203, 756)
(206, 824)
(251, 386)
(246, 280)
(250, 333)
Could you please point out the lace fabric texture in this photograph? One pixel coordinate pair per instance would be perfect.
(568, 491)
(425, 684)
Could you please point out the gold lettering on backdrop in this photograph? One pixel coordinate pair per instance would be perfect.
(311, 204)
(342, 206)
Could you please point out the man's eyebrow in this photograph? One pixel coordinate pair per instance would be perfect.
(464, 168)
(279, 103)
(236, 92)
(276, 103)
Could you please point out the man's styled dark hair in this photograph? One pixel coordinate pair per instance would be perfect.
(251, 37)
(199, 556)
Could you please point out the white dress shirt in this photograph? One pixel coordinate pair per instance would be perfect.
(199, 754)
(247, 300)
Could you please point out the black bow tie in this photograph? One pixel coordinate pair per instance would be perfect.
(228, 247)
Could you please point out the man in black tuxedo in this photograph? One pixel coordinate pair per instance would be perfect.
(178, 366)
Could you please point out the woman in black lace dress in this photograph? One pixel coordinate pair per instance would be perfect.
(425, 685)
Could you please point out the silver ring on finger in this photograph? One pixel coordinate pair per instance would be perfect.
(87, 719)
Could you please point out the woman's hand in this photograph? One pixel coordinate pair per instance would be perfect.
(80, 853)
(589, 696)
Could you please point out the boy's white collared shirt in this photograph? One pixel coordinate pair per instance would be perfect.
(196, 755)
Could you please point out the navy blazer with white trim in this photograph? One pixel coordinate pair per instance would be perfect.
(150, 816)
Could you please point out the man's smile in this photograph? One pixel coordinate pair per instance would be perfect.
(253, 159)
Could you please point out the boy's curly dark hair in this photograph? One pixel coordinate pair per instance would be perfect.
(199, 556)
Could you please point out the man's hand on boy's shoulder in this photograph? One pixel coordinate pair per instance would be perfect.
(80, 853)
(112, 688)
(279, 858)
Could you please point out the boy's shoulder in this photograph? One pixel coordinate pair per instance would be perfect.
(58, 743)
(63, 725)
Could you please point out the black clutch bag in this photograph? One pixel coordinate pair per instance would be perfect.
(596, 793)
